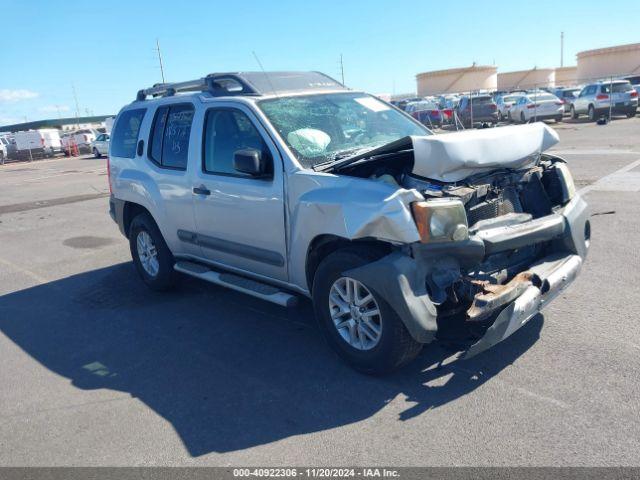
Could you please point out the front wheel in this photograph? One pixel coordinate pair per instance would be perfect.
(96, 153)
(150, 253)
(356, 320)
(574, 114)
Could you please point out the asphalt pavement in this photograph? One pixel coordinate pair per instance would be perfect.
(98, 370)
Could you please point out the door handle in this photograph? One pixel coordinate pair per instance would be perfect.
(201, 190)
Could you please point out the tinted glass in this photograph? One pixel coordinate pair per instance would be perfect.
(175, 145)
(125, 133)
(157, 133)
(482, 100)
(617, 88)
(227, 131)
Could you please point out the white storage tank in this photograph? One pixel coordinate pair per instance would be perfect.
(532, 78)
(566, 76)
(456, 80)
(611, 61)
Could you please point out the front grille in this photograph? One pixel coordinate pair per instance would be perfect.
(506, 202)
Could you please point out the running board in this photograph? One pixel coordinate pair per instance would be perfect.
(251, 287)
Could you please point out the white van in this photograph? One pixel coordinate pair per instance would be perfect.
(45, 141)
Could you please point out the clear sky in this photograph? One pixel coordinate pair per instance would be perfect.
(107, 49)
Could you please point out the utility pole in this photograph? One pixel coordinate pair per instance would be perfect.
(561, 49)
(160, 59)
(342, 69)
(75, 98)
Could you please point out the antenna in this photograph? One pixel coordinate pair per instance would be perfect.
(561, 49)
(160, 59)
(342, 69)
(265, 73)
(75, 98)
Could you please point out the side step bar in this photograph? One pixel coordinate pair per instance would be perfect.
(251, 287)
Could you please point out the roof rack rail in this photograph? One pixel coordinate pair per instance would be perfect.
(217, 84)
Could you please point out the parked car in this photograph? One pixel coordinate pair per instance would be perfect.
(426, 112)
(288, 184)
(504, 103)
(36, 143)
(100, 146)
(537, 106)
(4, 150)
(484, 109)
(567, 95)
(594, 100)
(447, 105)
(82, 139)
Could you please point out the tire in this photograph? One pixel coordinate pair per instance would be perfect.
(162, 278)
(509, 116)
(96, 153)
(559, 119)
(592, 113)
(522, 119)
(631, 115)
(394, 347)
(574, 114)
(500, 117)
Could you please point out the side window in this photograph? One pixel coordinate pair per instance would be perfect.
(169, 143)
(225, 132)
(125, 133)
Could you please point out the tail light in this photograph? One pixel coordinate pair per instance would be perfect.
(86, 138)
(494, 107)
(532, 105)
(559, 103)
(633, 94)
(42, 142)
(602, 96)
(562, 101)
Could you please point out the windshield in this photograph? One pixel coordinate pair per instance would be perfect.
(617, 87)
(543, 97)
(321, 128)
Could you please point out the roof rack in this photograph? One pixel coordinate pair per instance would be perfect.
(217, 84)
(248, 83)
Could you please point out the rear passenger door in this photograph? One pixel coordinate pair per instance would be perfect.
(239, 218)
(170, 145)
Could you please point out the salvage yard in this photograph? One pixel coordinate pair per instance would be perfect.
(99, 370)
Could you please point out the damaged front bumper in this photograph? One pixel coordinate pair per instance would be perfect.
(410, 282)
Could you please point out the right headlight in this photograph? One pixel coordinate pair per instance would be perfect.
(566, 179)
(440, 220)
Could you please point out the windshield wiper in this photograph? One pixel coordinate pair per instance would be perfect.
(341, 155)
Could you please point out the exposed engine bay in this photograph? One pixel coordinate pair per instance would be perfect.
(476, 287)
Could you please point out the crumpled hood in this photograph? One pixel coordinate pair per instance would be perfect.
(456, 156)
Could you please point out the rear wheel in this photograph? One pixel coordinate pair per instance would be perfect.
(357, 322)
(574, 114)
(592, 113)
(631, 114)
(522, 119)
(150, 253)
(559, 118)
(96, 153)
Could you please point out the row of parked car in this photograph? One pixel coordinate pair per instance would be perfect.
(597, 99)
(47, 142)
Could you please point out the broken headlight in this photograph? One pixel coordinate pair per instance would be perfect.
(440, 220)
(566, 180)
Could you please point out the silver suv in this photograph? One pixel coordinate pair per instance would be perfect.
(285, 185)
(595, 100)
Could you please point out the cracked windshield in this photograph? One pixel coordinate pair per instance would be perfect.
(323, 128)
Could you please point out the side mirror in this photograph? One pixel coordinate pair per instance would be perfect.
(252, 162)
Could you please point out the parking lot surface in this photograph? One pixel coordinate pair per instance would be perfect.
(98, 370)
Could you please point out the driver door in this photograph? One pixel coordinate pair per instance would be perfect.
(239, 218)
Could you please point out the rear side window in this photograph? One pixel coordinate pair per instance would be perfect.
(125, 133)
(617, 88)
(169, 143)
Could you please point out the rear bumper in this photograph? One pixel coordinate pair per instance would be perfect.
(410, 282)
(116, 212)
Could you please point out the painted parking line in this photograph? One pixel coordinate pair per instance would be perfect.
(622, 180)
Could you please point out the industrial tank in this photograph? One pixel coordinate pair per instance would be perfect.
(455, 80)
(532, 78)
(611, 61)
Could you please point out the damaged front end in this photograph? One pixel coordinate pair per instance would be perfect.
(495, 247)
